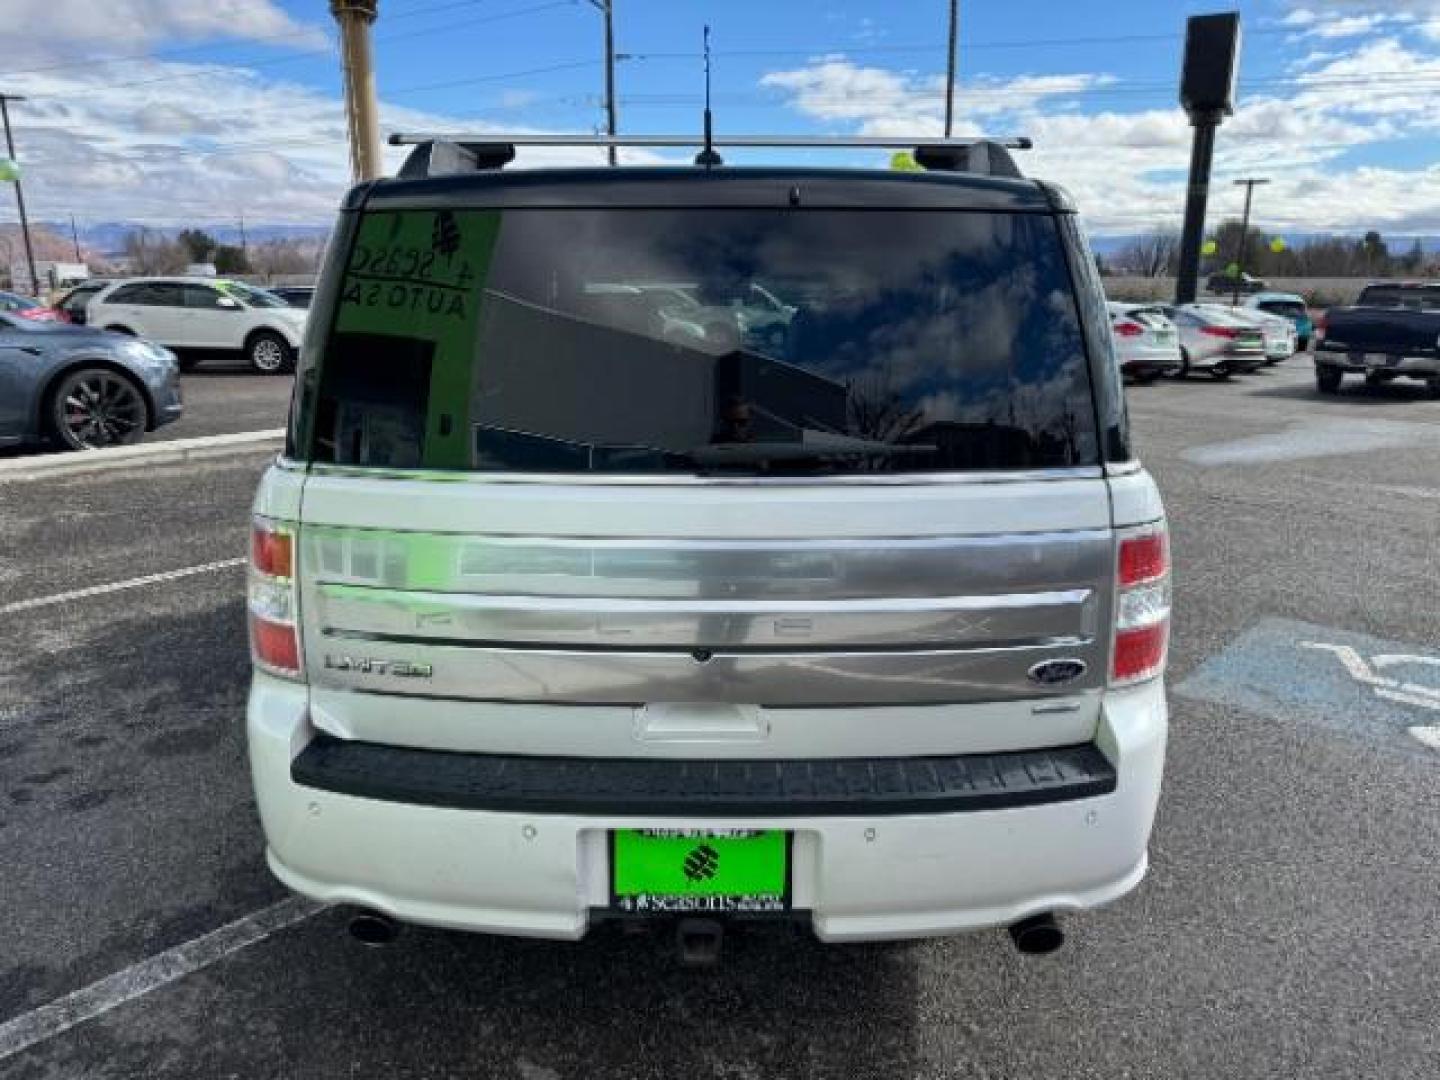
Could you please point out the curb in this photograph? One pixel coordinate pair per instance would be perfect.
(174, 452)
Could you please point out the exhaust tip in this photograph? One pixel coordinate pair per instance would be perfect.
(373, 929)
(1037, 935)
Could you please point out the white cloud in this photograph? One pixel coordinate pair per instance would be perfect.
(518, 99)
(188, 143)
(1313, 57)
(1348, 26)
(51, 26)
(889, 102)
(1343, 19)
(1127, 169)
(1314, 8)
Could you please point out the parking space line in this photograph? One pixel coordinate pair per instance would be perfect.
(117, 586)
(139, 979)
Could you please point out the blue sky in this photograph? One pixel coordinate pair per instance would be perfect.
(169, 111)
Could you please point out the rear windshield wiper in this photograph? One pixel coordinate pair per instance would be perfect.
(811, 449)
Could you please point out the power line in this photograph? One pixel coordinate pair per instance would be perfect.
(1037, 43)
(568, 65)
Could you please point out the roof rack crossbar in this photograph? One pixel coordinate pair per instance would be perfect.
(874, 142)
(448, 155)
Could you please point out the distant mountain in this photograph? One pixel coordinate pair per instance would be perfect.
(109, 236)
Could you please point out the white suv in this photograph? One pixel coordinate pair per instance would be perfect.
(556, 620)
(204, 315)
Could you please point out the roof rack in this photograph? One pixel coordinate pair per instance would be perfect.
(440, 155)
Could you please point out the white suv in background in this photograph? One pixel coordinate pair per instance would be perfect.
(204, 315)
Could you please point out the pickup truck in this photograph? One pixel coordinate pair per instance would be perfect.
(1391, 332)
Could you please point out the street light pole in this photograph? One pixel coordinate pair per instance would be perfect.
(1249, 185)
(5, 100)
(950, 70)
(607, 8)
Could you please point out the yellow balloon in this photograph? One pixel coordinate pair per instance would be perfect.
(904, 161)
(1277, 245)
(1209, 248)
(9, 171)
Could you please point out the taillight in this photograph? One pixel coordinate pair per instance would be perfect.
(273, 602)
(1129, 329)
(1142, 604)
(1220, 331)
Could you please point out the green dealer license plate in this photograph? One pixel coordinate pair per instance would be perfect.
(679, 871)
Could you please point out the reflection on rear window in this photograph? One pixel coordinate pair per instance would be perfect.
(715, 342)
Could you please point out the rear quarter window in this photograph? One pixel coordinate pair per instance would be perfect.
(718, 341)
(1417, 297)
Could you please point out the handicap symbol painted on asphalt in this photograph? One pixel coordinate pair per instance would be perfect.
(1426, 697)
(1334, 678)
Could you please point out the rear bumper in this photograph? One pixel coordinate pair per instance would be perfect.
(1150, 365)
(1243, 361)
(873, 873)
(1354, 363)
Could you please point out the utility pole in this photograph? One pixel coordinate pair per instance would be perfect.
(607, 8)
(244, 245)
(5, 100)
(950, 71)
(75, 235)
(355, 18)
(1249, 184)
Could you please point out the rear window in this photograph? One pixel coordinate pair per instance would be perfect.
(712, 342)
(1289, 308)
(1419, 297)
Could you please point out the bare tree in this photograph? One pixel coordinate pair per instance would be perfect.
(150, 252)
(1153, 254)
(277, 258)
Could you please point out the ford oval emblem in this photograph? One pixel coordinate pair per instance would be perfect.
(1057, 672)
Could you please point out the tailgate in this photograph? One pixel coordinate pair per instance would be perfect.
(785, 596)
(1391, 331)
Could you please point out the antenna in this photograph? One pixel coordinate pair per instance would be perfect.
(708, 157)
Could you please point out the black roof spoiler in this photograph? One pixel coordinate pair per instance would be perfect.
(447, 155)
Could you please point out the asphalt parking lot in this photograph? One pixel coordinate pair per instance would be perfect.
(226, 398)
(1286, 927)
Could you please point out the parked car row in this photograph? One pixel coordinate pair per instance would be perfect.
(1391, 332)
(1169, 339)
(102, 365)
(74, 304)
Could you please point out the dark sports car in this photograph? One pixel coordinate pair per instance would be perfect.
(84, 388)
